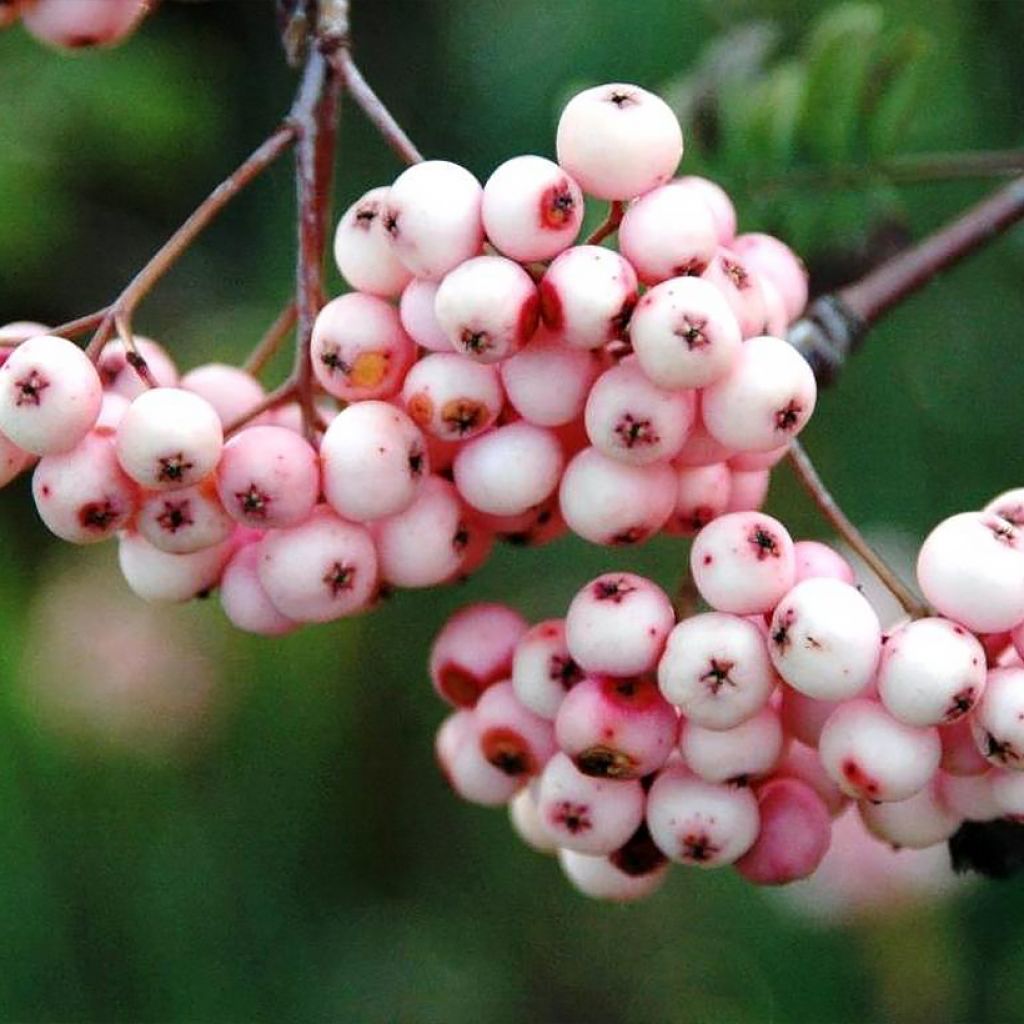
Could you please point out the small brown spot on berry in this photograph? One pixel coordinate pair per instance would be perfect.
(175, 516)
(764, 543)
(173, 467)
(339, 578)
(615, 589)
(606, 763)
(253, 502)
(30, 388)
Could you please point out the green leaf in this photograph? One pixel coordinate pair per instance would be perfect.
(897, 84)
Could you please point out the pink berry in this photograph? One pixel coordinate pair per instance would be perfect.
(702, 494)
(488, 307)
(615, 878)
(512, 738)
(825, 639)
(776, 263)
(74, 24)
(13, 460)
(359, 349)
(119, 377)
(960, 754)
(616, 728)
(716, 670)
(526, 821)
(743, 563)
(998, 719)
(587, 295)
(50, 395)
(1009, 505)
(451, 397)
(816, 559)
(543, 670)
(748, 490)
(804, 717)
(532, 209)
(872, 756)
(416, 311)
(230, 390)
(473, 651)
(17, 331)
(802, 762)
(468, 772)
(156, 575)
(700, 448)
(320, 570)
(607, 501)
(741, 288)
(244, 600)
(363, 250)
(374, 461)
(185, 520)
(747, 751)
(618, 140)
(432, 217)
(717, 200)
(971, 796)
(1008, 794)
(916, 823)
(794, 836)
(617, 624)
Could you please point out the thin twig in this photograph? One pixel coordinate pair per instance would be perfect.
(73, 328)
(808, 476)
(609, 225)
(269, 344)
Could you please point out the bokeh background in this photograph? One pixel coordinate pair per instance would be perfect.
(201, 826)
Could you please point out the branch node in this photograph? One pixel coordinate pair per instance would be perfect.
(827, 333)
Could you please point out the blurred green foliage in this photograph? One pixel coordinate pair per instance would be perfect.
(301, 859)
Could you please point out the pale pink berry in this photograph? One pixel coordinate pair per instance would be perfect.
(816, 559)
(717, 200)
(586, 814)
(526, 821)
(74, 24)
(547, 383)
(539, 525)
(704, 824)
(17, 331)
(748, 490)
(532, 209)
(932, 672)
(747, 751)
(971, 796)
(618, 140)
(587, 295)
(169, 438)
(700, 448)
(363, 249)
(229, 389)
(775, 262)
(617, 624)
(918, 822)
(473, 651)
(702, 494)
(244, 600)
(488, 307)
(743, 563)
(156, 575)
(476, 544)
(632, 420)
(764, 400)
(776, 321)
(668, 232)
(971, 569)
(998, 719)
(825, 639)
(872, 756)
(794, 836)
(543, 670)
(607, 501)
(684, 333)
(1009, 505)
(320, 570)
(82, 495)
(804, 717)
(268, 477)
(509, 469)
(50, 395)
(1008, 794)
(802, 762)
(13, 460)
(451, 397)
(468, 772)
(416, 312)
(511, 737)
(121, 378)
(716, 670)
(746, 462)
(621, 877)
(185, 520)
(374, 461)
(960, 754)
(616, 728)
(359, 349)
(423, 545)
(433, 217)
(741, 288)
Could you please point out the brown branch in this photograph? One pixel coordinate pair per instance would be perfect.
(809, 478)
(73, 328)
(609, 225)
(267, 347)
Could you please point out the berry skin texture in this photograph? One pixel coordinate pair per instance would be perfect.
(778, 265)
(268, 477)
(509, 469)
(587, 295)
(825, 639)
(231, 391)
(743, 563)
(916, 823)
(764, 400)
(803, 763)
(872, 756)
(617, 624)
(323, 569)
(741, 288)
(543, 670)
(468, 772)
(601, 878)
(488, 307)
(703, 824)
(971, 569)
(452, 398)
(794, 837)
(119, 377)
(1009, 505)
(363, 250)
(432, 217)
(525, 820)
(748, 491)
(156, 575)
(169, 438)
(374, 461)
(359, 349)
(511, 737)
(718, 202)
(244, 600)
(816, 559)
(182, 521)
(804, 717)
(747, 751)
(702, 495)
(932, 672)
(532, 209)
(618, 140)
(972, 796)
(960, 754)
(998, 720)
(77, 24)
(715, 669)
(50, 395)
(416, 312)
(13, 460)
(473, 651)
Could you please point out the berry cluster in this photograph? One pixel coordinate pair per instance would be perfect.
(76, 24)
(626, 740)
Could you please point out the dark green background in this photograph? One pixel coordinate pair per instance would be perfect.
(300, 858)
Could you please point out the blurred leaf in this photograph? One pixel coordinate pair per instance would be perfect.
(896, 88)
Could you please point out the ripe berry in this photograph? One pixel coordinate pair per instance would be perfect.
(741, 289)
(119, 377)
(13, 460)
(998, 720)
(746, 751)
(804, 717)
(244, 600)
(802, 762)
(74, 24)
(918, 822)
(718, 202)
(543, 670)
(816, 559)
(451, 397)
(960, 754)
(702, 494)
(230, 390)
(748, 490)
(511, 737)
(416, 312)
(526, 820)
(468, 772)
(185, 520)
(156, 575)
(776, 263)
(363, 250)
(611, 878)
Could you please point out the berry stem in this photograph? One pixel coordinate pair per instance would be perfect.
(609, 225)
(284, 392)
(269, 344)
(80, 325)
(811, 481)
